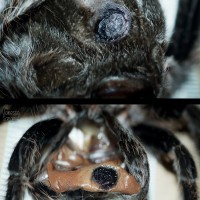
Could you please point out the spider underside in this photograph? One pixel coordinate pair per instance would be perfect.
(47, 159)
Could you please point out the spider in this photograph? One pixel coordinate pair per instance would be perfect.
(88, 152)
(94, 49)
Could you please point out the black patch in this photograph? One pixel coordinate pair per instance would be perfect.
(115, 24)
(105, 177)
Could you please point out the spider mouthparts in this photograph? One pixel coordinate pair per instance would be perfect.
(124, 88)
(104, 177)
(97, 166)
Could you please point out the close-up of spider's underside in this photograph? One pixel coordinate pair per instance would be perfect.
(97, 49)
(102, 152)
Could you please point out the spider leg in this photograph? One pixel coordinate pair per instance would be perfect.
(186, 30)
(163, 143)
(165, 111)
(16, 188)
(192, 116)
(134, 153)
(33, 152)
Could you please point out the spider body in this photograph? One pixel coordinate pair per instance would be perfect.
(92, 49)
(49, 164)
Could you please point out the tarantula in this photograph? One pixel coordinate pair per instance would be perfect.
(86, 153)
(100, 49)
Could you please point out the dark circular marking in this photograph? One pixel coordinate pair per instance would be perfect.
(106, 177)
(114, 25)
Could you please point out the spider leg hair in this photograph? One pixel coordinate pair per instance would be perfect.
(192, 115)
(14, 10)
(32, 153)
(163, 143)
(186, 29)
(134, 154)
